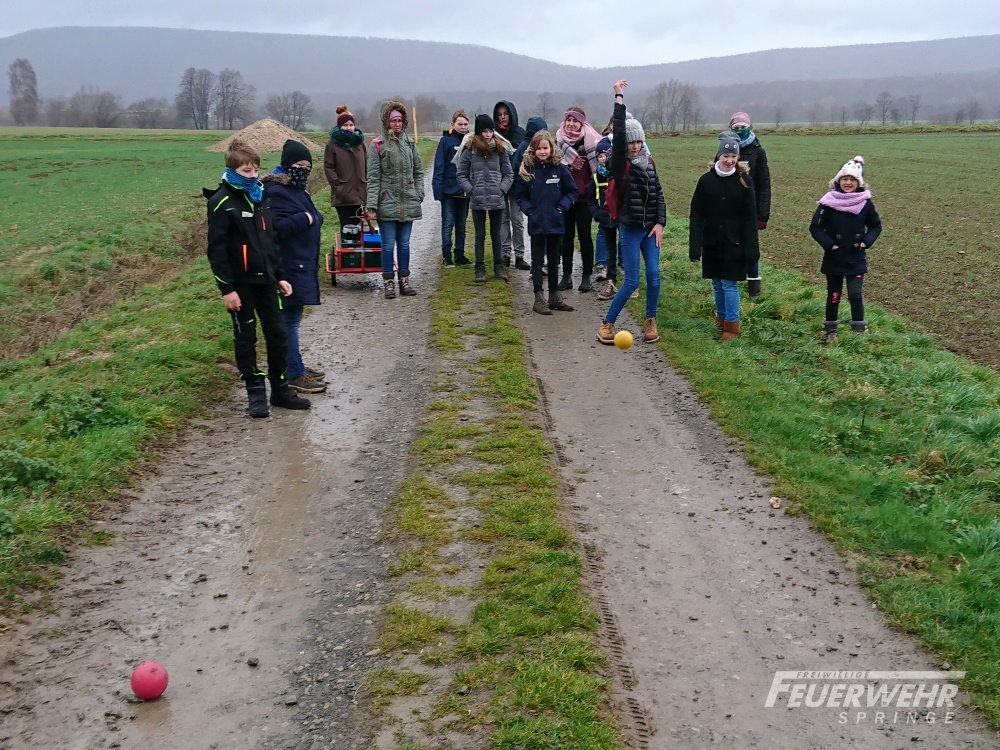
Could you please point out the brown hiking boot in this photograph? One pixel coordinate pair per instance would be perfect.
(649, 333)
(606, 333)
(730, 330)
(390, 288)
(720, 324)
(540, 307)
(305, 384)
(404, 286)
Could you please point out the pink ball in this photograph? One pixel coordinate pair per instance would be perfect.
(149, 680)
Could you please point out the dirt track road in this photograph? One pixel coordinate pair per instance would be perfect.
(260, 540)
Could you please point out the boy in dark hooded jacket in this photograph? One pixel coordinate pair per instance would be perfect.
(512, 222)
(244, 258)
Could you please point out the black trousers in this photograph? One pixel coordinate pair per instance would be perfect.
(260, 302)
(578, 220)
(834, 291)
(348, 215)
(545, 251)
(479, 224)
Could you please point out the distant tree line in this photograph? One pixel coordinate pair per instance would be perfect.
(224, 100)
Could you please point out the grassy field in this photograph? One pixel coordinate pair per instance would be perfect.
(935, 264)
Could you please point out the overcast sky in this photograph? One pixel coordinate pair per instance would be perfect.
(581, 32)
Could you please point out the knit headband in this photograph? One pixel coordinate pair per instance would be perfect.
(345, 118)
(572, 113)
(395, 112)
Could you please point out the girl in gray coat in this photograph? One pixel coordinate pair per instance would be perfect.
(485, 175)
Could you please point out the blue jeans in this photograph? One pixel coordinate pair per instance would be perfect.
(293, 318)
(727, 299)
(635, 241)
(753, 270)
(600, 249)
(395, 234)
(454, 214)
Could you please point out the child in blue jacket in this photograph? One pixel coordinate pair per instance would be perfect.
(545, 191)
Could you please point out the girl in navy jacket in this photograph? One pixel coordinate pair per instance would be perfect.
(846, 224)
(545, 191)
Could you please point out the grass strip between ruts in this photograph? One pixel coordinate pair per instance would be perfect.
(529, 650)
(890, 445)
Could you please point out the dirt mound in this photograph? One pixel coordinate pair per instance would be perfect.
(265, 136)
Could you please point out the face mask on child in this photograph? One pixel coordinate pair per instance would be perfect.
(299, 176)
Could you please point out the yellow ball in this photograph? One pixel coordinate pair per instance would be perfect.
(623, 340)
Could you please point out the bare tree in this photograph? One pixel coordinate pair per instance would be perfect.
(55, 112)
(973, 111)
(545, 105)
(105, 109)
(292, 108)
(896, 115)
(664, 104)
(843, 115)
(24, 101)
(690, 106)
(148, 113)
(912, 107)
(777, 110)
(432, 112)
(864, 112)
(813, 114)
(194, 97)
(93, 108)
(883, 104)
(234, 99)
(960, 115)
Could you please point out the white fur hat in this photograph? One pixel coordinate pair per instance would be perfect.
(854, 168)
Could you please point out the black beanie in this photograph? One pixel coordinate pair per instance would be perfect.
(484, 122)
(294, 151)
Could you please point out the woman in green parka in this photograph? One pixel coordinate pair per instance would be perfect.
(395, 192)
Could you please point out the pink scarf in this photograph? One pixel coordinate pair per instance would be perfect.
(590, 140)
(852, 203)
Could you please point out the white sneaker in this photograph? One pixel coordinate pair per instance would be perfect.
(600, 272)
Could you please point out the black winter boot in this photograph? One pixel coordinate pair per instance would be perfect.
(859, 326)
(585, 285)
(480, 273)
(284, 397)
(830, 330)
(566, 282)
(257, 398)
(499, 273)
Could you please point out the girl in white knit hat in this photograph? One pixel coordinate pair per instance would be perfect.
(845, 225)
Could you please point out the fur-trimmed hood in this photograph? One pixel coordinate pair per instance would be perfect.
(389, 106)
(467, 141)
(279, 177)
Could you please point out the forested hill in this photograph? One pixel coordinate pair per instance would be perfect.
(144, 62)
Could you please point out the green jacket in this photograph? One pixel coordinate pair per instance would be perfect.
(395, 174)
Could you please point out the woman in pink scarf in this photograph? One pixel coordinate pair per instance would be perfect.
(578, 141)
(846, 224)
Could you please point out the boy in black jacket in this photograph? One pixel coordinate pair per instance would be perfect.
(247, 268)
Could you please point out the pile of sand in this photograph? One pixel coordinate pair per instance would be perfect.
(265, 136)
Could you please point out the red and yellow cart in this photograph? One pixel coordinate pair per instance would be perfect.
(357, 249)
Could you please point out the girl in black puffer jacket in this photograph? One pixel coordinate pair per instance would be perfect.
(846, 224)
(642, 214)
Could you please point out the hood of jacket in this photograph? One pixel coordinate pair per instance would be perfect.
(389, 106)
(513, 115)
(535, 124)
(280, 178)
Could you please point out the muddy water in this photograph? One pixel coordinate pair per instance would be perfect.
(254, 541)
